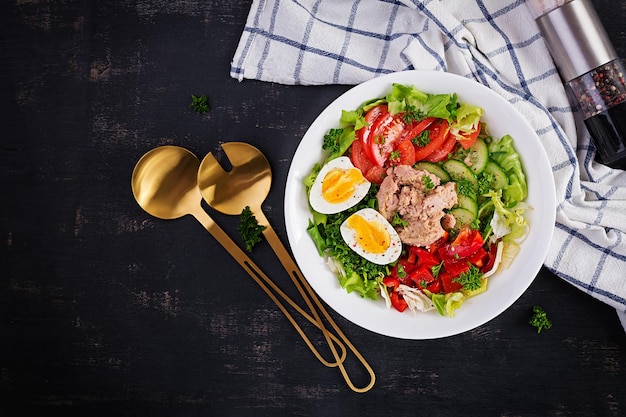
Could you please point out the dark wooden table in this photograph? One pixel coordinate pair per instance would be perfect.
(107, 311)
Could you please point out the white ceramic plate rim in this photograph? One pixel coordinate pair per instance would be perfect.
(504, 288)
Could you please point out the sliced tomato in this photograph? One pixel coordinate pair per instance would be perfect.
(438, 134)
(443, 152)
(415, 129)
(406, 152)
(467, 139)
(371, 172)
(358, 157)
(364, 134)
(388, 130)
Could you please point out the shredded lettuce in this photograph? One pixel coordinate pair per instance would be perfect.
(507, 223)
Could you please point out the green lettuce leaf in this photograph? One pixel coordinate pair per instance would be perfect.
(403, 98)
(467, 119)
(507, 223)
(504, 154)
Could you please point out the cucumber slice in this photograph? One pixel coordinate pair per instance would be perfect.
(434, 169)
(500, 180)
(467, 203)
(478, 156)
(463, 217)
(459, 171)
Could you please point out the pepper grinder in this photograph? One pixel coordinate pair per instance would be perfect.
(591, 70)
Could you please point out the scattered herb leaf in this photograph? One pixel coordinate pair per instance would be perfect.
(331, 140)
(428, 182)
(412, 114)
(422, 139)
(398, 221)
(249, 229)
(539, 319)
(435, 269)
(199, 104)
(484, 182)
(471, 279)
(464, 187)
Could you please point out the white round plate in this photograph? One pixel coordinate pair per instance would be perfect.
(504, 288)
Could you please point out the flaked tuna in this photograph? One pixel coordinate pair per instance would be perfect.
(420, 199)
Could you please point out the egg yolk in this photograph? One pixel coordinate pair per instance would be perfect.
(339, 184)
(372, 236)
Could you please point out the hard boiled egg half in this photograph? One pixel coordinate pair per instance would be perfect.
(338, 186)
(370, 235)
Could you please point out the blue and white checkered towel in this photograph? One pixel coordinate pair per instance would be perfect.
(495, 42)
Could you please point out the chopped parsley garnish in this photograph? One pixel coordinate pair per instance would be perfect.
(395, 155)
(412, 114)
(428, 182)
(435, 269)
(249, 229)
(199, 104)
(422, 139)
(401, 272)
(539, 319)
(470, 279)
(331, 140)
(464, 187)
(484, 182)
(397, 221)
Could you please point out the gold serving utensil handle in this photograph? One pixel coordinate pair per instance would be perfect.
(247, 184)
(164, 185)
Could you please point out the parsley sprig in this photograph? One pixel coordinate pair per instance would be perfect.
(539, 319)
(249, 229)
(471, 279)
(200, 104)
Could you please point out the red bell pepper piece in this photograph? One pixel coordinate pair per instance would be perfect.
(467, 242)
(398, 302)
(424, 257)
(448, 280)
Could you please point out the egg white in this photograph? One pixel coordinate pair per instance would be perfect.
(320, 204)
(395, 245)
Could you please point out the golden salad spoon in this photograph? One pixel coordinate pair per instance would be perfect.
(247, 184)
(164, 185)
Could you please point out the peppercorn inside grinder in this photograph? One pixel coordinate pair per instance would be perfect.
(593, 73)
